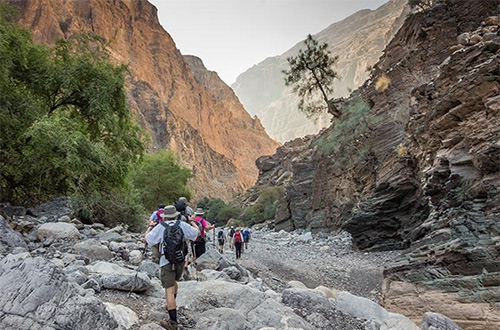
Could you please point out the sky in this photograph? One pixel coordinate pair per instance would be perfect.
(231, 36)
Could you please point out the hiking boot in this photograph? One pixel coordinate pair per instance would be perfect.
(170, 325)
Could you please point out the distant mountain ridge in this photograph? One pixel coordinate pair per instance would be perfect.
(205, 125)
(358, 40)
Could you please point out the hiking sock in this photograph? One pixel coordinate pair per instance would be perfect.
(173, 314)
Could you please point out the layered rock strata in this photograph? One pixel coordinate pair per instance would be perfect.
(212, 133)
(433, 186)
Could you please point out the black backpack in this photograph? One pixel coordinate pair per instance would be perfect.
(174, 243)
(221, 234)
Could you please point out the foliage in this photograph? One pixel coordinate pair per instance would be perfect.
(311, 74)
(421, 4)
(217, 211)
(346, 137)
(265, 206)
(160, 179)
(383, 82)
(66, 127)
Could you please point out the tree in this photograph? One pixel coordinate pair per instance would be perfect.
(66, 127)
(160, 179)
(311, 74)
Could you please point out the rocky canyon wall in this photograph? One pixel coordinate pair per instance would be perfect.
(205, 125)
(432, 190)
(358, 40)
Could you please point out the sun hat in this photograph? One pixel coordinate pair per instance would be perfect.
(183, 199)
(170, 212)
(199, 211)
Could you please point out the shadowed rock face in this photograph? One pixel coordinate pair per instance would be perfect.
(439, 200)
(358, 40)
(212, 132)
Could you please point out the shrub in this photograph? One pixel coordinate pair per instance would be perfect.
(265, 206)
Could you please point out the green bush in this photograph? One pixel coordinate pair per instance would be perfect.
(66, 127)
(160, 179)
(265, 206)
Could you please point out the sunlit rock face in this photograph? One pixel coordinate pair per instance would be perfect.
(358, 41)
(204, 124)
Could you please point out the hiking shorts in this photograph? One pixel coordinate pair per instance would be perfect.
(246, 239)
(169, 274)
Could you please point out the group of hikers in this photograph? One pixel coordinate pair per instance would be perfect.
(237, 239)
(171, 230)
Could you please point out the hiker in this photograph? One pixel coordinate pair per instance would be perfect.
(199, 245)
(246, 237)
(230, 235)
(182, 207)
(221, 238)
(154, 220)
(172, 234)
(238, 242)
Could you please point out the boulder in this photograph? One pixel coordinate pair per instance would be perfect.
(211, 275)
(436, 321)
(271, 313)
(110, 236)
(125, 317)
(305, 238)
(206, 295)
(359, 307)
(57, 230)
(92, 284)
(93, 250)
(151, 326)
(330, 293)
(115, 246)
(37, 295)
(306, 299)
(9, 239)
(135, 257)
(398, 322)
(118, 278)
(222, 318)
(296, 284)
(233, 273)
(212, 260)
(150, 268)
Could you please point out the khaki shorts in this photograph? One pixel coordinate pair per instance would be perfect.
(168, 276)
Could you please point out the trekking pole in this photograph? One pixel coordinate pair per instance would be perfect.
(137, 271)
(214, 238)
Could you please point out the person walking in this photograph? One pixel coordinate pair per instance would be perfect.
(221, 237)
(154, 220)
(172, 235)
(230, 235)
(238, 242)
(199, 245)
(246, 237)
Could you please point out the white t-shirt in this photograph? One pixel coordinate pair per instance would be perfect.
(155, 236)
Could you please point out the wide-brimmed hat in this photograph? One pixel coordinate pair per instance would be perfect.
(199, 211)
(170, 212)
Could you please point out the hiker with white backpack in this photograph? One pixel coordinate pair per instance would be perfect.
(171, 235)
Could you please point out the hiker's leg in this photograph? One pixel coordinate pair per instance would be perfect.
(170, 293)
(156, 253)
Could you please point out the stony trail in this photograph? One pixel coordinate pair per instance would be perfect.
(326, 260)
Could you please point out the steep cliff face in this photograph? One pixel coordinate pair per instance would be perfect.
(358, 40)
(435, 186)
(212, 134)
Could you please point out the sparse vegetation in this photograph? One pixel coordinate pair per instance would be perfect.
(421, 4)
(382, 84)
(265, 206)
(346, 138)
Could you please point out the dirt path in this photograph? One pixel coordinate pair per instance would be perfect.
(328, 261)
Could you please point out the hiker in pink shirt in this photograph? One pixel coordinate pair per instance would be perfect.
(199, 244)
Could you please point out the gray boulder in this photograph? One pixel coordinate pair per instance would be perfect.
(125, 317)
(211, 275)
(135, 257)
(93, 250)
(37, 295)
(222, 319)
(233, 273)
(118, 278)
(92, 284)
(271, 313)
(150, 268)
(306, 299)
(57, 230)
(397, 322)
(360, 307)
(212, 260)
(110, 236)
(436, 321)
(9, 238)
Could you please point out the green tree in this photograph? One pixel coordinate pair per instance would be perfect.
(312, 74)
(66, 127)
(160, 179)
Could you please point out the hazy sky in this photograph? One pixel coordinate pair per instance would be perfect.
(230, 36)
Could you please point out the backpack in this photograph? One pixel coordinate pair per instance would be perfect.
(237, 237)
(174, 243)
(201, 236)
(246, 234)
(221, 234)
(231, 232)
(180, 207)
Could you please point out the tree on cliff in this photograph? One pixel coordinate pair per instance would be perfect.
(311, 74)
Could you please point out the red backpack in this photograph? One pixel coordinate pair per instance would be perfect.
(237, 237)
